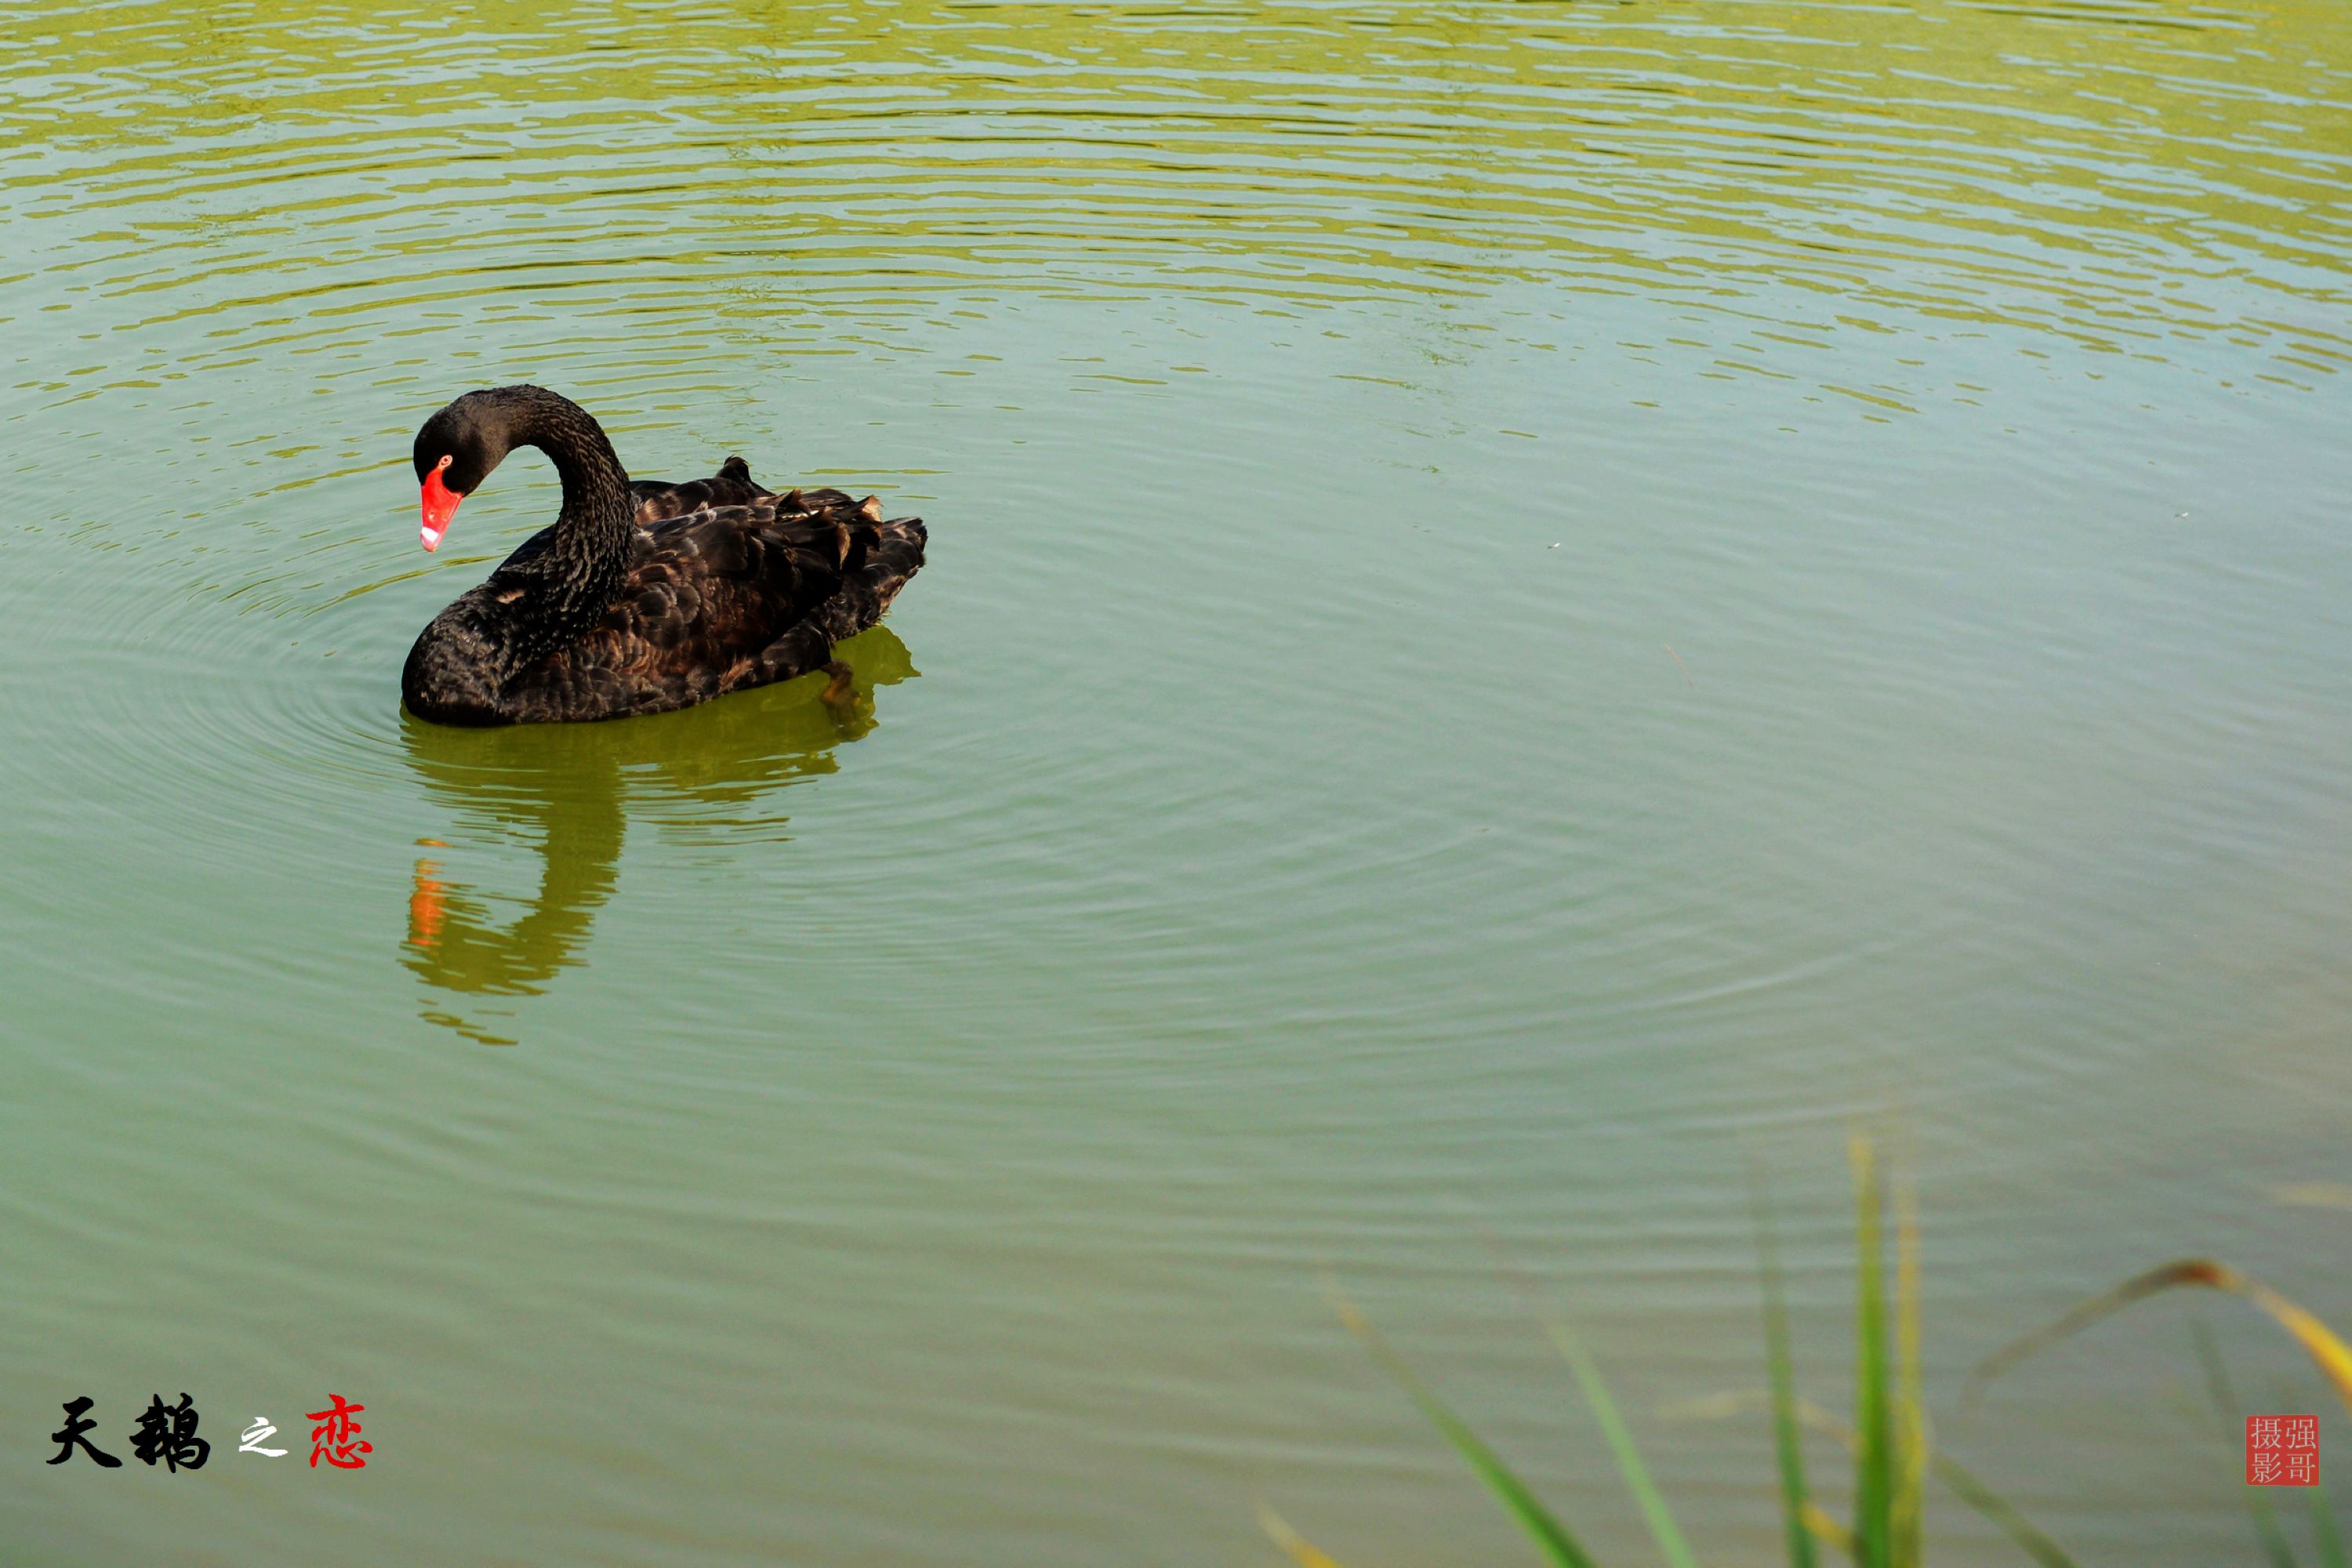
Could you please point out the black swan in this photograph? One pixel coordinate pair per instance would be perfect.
(640, 598)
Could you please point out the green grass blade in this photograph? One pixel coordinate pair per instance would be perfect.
(1910, 1408)
(1787, 1441)
(1818, 1520)
(2323, 1531)
(1294, 1546)
(1671, 1544)
(1873, 1459)
(1551, 1537)
(2225, 1401)
(1956, 1479)
(2328, 1351)
(1963, 1484)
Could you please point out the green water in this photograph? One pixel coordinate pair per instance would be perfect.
(1530, 604)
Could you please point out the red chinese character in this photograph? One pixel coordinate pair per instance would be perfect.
(2282, 1451)
(335, 1439)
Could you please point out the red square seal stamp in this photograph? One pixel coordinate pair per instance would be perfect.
(2282, 1451)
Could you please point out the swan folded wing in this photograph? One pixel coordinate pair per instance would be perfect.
(706, 596)
(656, 500)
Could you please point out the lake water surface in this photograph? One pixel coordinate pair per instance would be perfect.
(1531, 604)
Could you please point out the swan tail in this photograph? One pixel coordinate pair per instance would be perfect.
(882, 556)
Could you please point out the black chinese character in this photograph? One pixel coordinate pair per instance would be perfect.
(72, 1433)
(169, 1432)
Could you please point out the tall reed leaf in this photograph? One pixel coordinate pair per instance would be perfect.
(1963, 1484)
(1294, 1546)
(1551, 1537)
(1819, 1521)
(1910, 1408)
(1960, 1482)
(2330, 1353)
(2323, 1529)
(1788, 1442)
(2225, 1404)
(1873, 1459)
(1620, 1443)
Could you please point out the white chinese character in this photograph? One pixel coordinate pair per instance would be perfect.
(258, 1433)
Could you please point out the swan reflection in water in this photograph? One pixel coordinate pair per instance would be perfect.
(568, 790)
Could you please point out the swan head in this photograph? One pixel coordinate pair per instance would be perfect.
(455, 451)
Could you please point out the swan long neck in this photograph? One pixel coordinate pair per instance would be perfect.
(591, 532)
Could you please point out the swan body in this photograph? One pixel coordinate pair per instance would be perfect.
(639, 598)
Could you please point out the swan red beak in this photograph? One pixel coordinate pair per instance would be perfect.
(439, 505)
